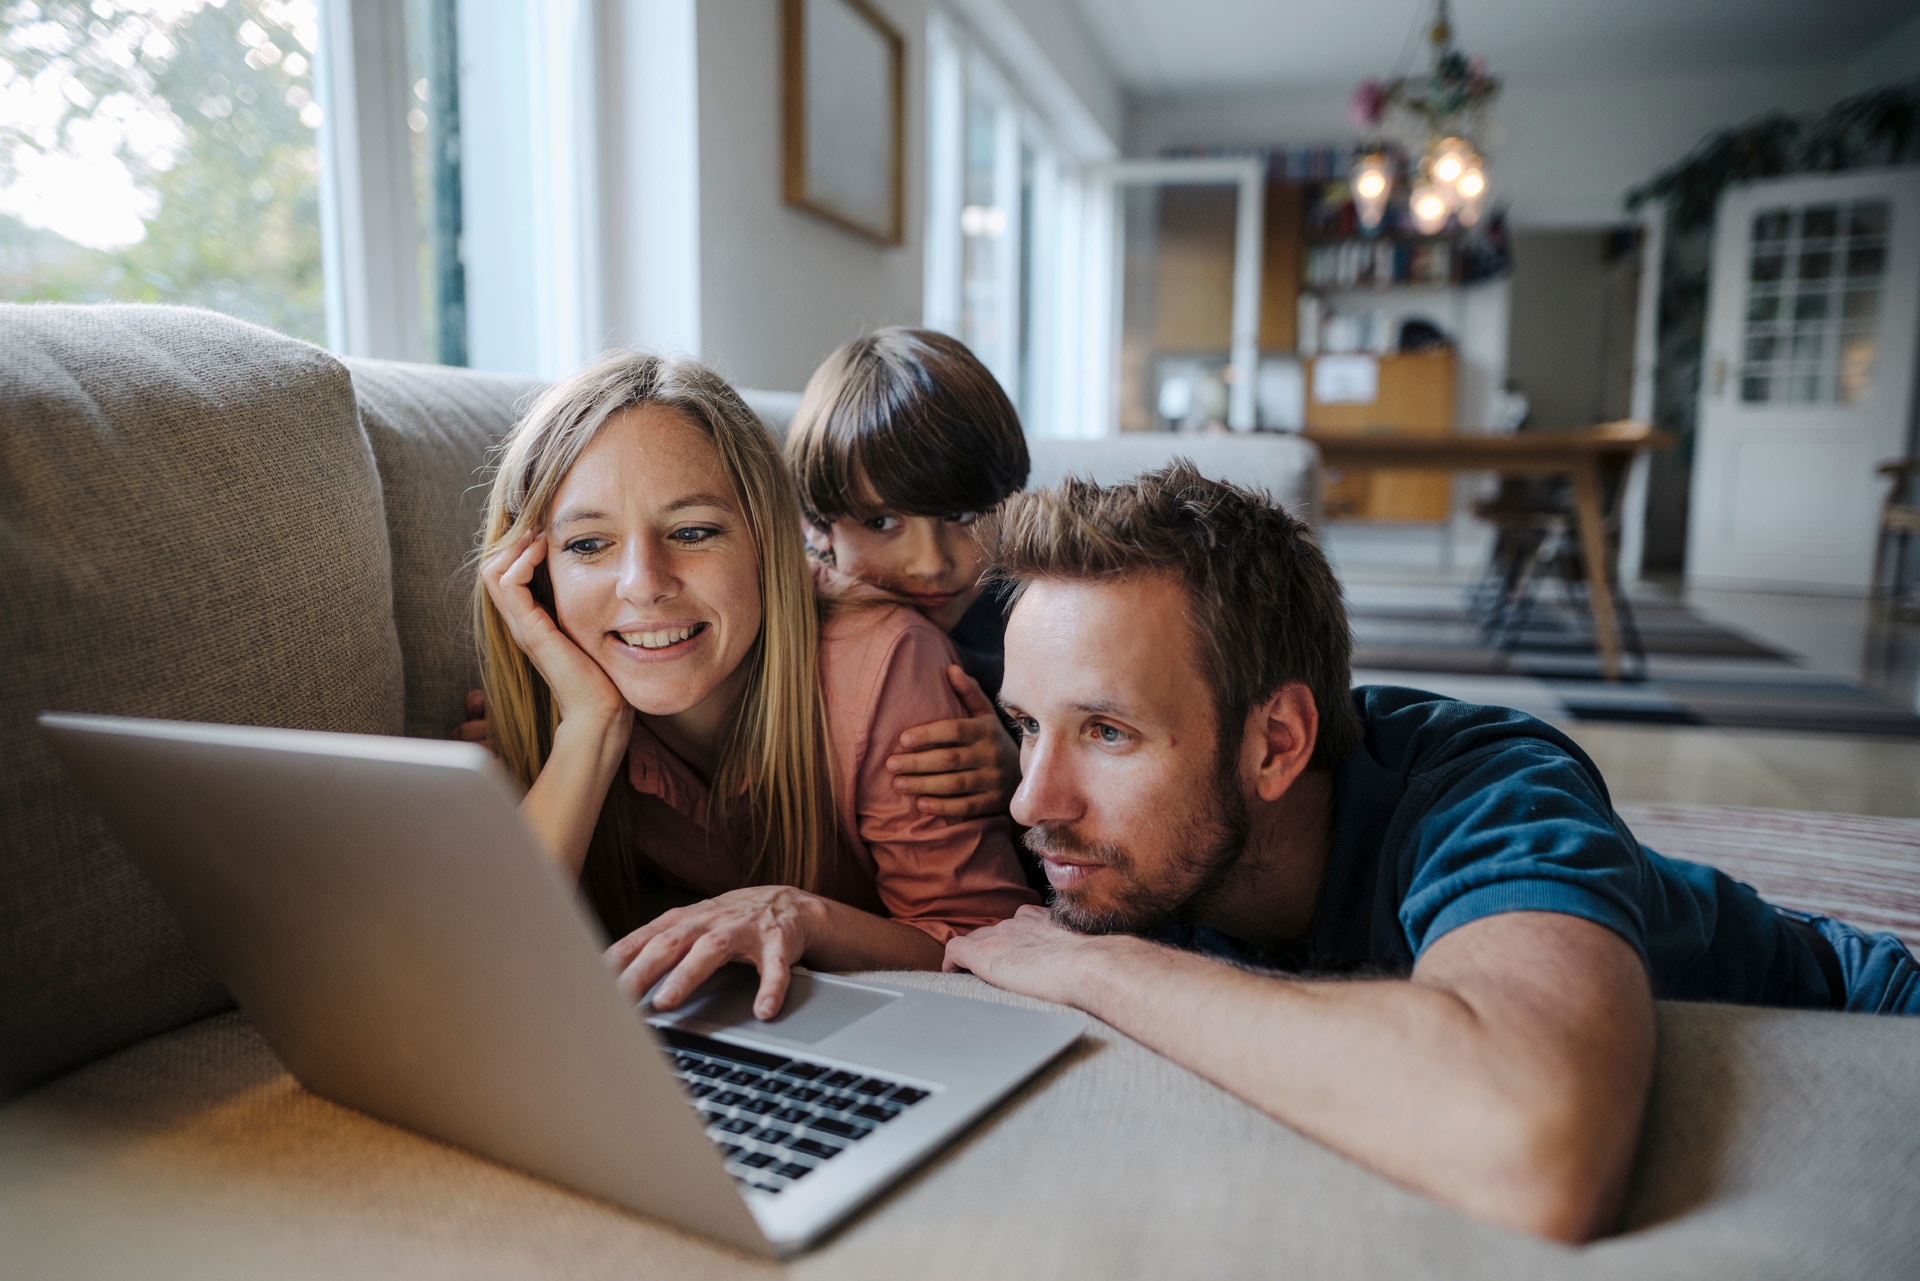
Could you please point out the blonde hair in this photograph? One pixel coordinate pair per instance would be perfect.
(774, 753)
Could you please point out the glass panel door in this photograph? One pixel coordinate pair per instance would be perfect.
(1176, 318)
(1814, 277)
(1811, 336)
(1187, 293)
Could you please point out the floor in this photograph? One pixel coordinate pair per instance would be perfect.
(1848, 637)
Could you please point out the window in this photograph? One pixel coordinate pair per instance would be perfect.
(1003, 203)
(172, 151)
(162, 151)
(1813, 294)
(433, 124)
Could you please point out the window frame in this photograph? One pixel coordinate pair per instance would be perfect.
(1049, 255)
(369, 226)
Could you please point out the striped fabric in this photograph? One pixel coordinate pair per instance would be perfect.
(1865, 871)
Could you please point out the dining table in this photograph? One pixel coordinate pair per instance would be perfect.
(1589, 457)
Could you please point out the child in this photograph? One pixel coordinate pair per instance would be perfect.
(901, 440)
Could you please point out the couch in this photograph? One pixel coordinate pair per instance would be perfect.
(203, 520)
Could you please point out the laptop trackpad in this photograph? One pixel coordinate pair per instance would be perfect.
(812, 1011)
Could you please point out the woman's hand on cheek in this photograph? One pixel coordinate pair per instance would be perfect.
(964, 768)
(579, 685)
(767, 926)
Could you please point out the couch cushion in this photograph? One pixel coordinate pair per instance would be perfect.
(190, 527)
(1779, 1144)
(431, 428)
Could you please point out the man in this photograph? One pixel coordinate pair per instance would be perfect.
(1197, 772)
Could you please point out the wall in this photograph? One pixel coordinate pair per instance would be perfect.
(1559, 315)
(780, 288)
(1563, 152)
(1045, 48)
(1896, 57)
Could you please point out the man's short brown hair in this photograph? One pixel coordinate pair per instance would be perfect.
(911, 417)
(1264, 603)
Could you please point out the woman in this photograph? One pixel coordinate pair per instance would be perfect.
(659, 676)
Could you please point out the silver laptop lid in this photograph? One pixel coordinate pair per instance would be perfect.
(310, 869)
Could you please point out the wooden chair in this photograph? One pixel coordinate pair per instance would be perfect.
(1899, 521)
(1535, 542)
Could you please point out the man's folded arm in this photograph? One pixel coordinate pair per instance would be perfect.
(1506, 1077)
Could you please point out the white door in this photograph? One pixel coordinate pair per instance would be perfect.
(1808, 380)
(1209, 334)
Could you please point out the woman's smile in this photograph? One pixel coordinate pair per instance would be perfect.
(658, 642)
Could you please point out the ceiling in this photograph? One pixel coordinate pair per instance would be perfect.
(1179, 47)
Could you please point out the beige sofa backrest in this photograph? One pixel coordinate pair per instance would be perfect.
(432, 430)
(194, 525)
(190, 527)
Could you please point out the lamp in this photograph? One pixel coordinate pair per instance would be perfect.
(1441, 113)
(1429, 206)
(1372, 184)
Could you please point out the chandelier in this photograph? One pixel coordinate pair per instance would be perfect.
(1442, 115)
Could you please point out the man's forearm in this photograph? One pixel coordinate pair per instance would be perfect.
(1330, 1059)
(1403, 1076)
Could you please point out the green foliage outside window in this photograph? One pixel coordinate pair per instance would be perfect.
(207, 108)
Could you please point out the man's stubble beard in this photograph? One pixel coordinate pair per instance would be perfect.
(1206, 848)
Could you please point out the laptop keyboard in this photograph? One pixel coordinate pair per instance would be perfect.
(778, 1119)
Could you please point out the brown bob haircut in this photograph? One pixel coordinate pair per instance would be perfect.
(907, 421)
(1264, 603)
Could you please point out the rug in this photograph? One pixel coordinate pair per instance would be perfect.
(1689, 671)
(1865, 871)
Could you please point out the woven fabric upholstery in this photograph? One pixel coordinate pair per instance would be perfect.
(431, 428)
(190, 527)
(1779, 1144)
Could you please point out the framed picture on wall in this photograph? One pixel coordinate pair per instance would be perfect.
(845, 134)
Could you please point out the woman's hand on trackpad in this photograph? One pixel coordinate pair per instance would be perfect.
(767, 926)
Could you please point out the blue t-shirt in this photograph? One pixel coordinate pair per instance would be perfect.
(1449, 812)
(981, 639)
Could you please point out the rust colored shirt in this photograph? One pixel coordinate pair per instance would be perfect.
(883, 670)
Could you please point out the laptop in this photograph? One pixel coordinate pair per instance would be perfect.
(400, 939)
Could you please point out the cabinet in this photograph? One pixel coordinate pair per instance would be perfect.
(1415, 397)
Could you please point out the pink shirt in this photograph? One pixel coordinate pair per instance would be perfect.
(883, 669)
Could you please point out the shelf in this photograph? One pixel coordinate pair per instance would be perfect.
(1377, 237)
(1351, 262)
(1397, 287)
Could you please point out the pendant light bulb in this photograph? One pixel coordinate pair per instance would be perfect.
(1448, 158)
(1372, 180)
(1429, 208)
